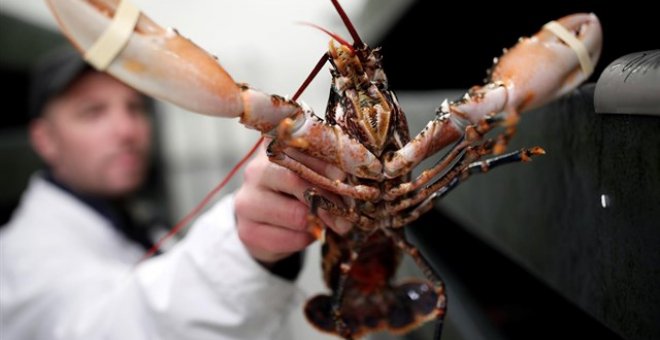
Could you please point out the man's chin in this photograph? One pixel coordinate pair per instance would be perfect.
(125, 185)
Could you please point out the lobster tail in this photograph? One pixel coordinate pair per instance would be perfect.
(397, 309)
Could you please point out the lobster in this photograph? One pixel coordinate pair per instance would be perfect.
(365, 134)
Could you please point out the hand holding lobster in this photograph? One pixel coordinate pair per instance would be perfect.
(365, 136)
(275, 233)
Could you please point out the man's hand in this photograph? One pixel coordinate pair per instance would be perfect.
(271, 211)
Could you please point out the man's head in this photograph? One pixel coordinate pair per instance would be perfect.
(92, 131)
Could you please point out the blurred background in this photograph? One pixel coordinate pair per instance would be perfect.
(529, 251)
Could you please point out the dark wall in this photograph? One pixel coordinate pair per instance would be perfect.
(23, 43)
(468, 35)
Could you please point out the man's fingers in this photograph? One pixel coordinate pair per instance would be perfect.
(277, 179)
(317, 165)
(270, 243)
(285, 181)
(272, 208)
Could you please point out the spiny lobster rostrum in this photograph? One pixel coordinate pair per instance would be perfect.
(365, 134)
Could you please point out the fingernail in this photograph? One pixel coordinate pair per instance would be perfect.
(342, 225)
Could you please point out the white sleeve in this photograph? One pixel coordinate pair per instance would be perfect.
(206, 287)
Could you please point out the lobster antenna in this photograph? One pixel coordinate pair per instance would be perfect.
(335, 36)
(357, 42)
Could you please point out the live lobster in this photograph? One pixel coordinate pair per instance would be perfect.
(365, 134)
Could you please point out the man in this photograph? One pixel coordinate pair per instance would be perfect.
(70, 265)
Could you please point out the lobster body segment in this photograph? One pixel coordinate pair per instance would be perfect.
(372, 301)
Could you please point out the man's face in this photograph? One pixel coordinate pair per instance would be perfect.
(96, 136)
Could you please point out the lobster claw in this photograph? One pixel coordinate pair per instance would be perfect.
(538, 69)
(546, 66)
(532, 73)
(162, 63)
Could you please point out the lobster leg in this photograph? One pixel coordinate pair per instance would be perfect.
(317, 200)
(399, 239)
(309, 134)
(276, 154)
(315, 225)
(424, 199)
(470, 155)
(472, 134)
(314, 222)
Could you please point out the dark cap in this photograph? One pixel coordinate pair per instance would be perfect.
(52, 75)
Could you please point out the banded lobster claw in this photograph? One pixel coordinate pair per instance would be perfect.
(544, 67)
(162, 63)
(535, 71)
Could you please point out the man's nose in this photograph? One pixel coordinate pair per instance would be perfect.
(126, 123)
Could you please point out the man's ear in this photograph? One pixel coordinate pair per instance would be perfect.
(41, 138)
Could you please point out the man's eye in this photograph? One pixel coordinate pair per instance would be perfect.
(137, 107)
(92, 111)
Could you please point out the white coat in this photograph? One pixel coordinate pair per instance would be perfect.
(66, 273)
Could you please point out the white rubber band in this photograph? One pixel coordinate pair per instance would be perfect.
(576, 45)
(115, 37)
